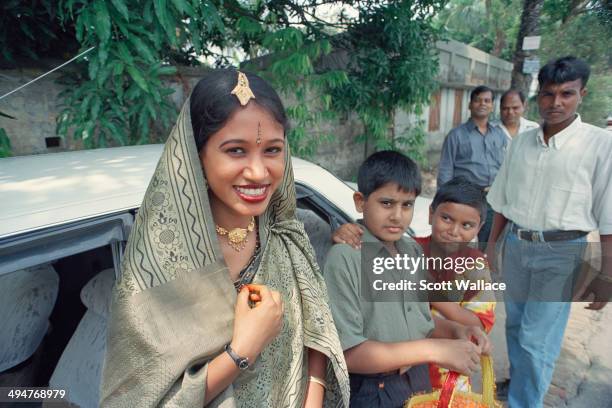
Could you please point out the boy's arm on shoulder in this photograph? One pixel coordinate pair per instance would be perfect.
(342, 277)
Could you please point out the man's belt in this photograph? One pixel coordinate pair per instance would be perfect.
(546, 236)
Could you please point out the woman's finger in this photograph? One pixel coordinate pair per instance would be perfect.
(262, 290)
(254, 287)
(242, 301)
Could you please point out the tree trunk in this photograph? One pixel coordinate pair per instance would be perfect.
(500, 42)
(530, 23)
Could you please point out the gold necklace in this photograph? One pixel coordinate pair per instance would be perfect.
(237, 237)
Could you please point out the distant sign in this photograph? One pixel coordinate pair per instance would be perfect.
(531, 65)
(531, 43)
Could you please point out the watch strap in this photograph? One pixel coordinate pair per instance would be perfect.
(241, 362)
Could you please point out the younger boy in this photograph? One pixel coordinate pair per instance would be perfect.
(387, 344)
(456, 214)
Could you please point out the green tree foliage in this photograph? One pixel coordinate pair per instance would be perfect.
(568, 27)
(489, 25)
(117, 95)
(390, 47)
(586, 35)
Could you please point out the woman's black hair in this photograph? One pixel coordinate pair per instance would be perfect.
(212, 103)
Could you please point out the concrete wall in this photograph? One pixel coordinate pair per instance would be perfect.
(36, 108)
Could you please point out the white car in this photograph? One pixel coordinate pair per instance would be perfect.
(64, 221)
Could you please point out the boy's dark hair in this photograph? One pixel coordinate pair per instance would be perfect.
(481, 89)
(512, 91)
(388, 167)
(461, 191)
(564, 69)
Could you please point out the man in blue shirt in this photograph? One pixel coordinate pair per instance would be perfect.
(475, 149)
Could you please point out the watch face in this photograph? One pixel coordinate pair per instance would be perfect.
(243, 364)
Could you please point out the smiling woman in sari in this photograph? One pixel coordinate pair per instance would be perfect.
(220, 301)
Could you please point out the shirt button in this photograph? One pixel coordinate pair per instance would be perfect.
(408, 308)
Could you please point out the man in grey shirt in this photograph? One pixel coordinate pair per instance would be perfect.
(475, 149)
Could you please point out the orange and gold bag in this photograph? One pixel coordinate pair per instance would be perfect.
(448, 397)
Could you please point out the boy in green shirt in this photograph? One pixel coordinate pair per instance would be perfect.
(387, 344)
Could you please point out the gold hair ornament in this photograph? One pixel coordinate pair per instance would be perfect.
(242, 90)
(237, 237)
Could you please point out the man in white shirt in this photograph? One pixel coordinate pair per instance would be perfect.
(552, 189)
(511, 108)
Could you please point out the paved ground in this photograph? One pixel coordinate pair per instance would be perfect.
(583, 374)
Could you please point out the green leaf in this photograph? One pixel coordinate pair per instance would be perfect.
(117, 68)
(166, 70)
(151, 109)
(142, 49)
(103, 75)
(103, 23)
(117, 134)
(183, 7)
(124, 53)
(138, 78)
(132, 93)
(121, 7)
(5, 144)
(147, 13)
(212, 16)
(95, 106)
(195, 37)
(102, 54)
(249, 26)
(93, 68)
(165, 19)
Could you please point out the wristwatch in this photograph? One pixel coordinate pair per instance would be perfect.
(241, 362)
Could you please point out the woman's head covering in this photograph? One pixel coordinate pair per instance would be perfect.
(173, 306)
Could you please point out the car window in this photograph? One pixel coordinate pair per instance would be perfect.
(50, 244)
(320, 218)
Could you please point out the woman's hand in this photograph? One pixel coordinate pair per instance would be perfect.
(255, 327)
(348, 234)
